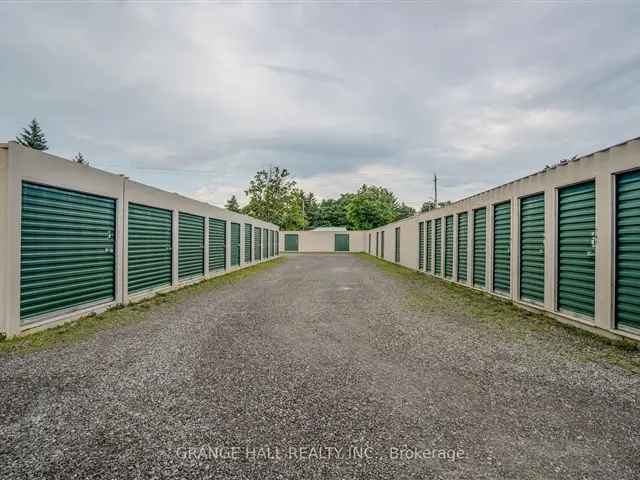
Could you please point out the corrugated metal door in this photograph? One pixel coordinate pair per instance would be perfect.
(429, 251)
(248, 233)
(576, 248)
(258, 243)
(369, 250)
(217, 244)
(190, 245)
(149, 252)
(479, 246)
(67, 254)
(277, 234)
(272, 243)
(628, 251)
(448, 246)
(341, 242)
(265, 243)
(420, 245)
(463, 232)
(290, 242)
(438, 247)
(532, 248)
(397, 246)
(377, 243)
(382, 244)
(502, 247)
(234, 254)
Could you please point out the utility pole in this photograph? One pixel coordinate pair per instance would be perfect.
(435, 190)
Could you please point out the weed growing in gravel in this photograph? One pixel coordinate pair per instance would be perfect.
(433, 295)
(122, 315)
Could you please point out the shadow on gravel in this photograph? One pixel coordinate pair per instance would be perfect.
(123, 315)
(428, 294)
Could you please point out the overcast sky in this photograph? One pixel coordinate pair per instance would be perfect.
(194, 98)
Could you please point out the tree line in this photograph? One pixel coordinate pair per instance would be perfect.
(275, 197)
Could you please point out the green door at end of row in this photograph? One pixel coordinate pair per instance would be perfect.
(290, 242)
(341, 242)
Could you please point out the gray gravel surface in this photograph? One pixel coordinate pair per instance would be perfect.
(321, 352)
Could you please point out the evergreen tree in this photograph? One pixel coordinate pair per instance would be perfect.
(232, 204)
(79, 158)
(32, 136)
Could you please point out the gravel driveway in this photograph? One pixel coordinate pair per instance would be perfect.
(325, 366)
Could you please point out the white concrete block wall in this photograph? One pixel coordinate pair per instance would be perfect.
(601, 166)
(18, 164)
(311, 241)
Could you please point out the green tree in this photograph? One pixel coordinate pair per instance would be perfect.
(32, 136)
(333, 212)
(311, 209)
(371, 207)
(427, 206)
(79, 158)
(232, 204)
(293, 217)
(404, 211)
(273, 197)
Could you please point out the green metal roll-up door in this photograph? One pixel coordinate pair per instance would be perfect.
(67, 254)
(258, 243)
(502, 247)
(265, 243)
(234, 254)
(341, 242)
(532, 248)
(448, 246)
(377, 244)
(290, 242)
(382, 244)
(438, 247)
(397, 246)
(429, 251)
(463, 232)
(149, 247)
(277, 234)
(217, 244)
(420, 245)
(576, 248)
(369, 250)
(479, 246)
(271, 243)
(628, 251)
(248, 231)
(190, 245)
